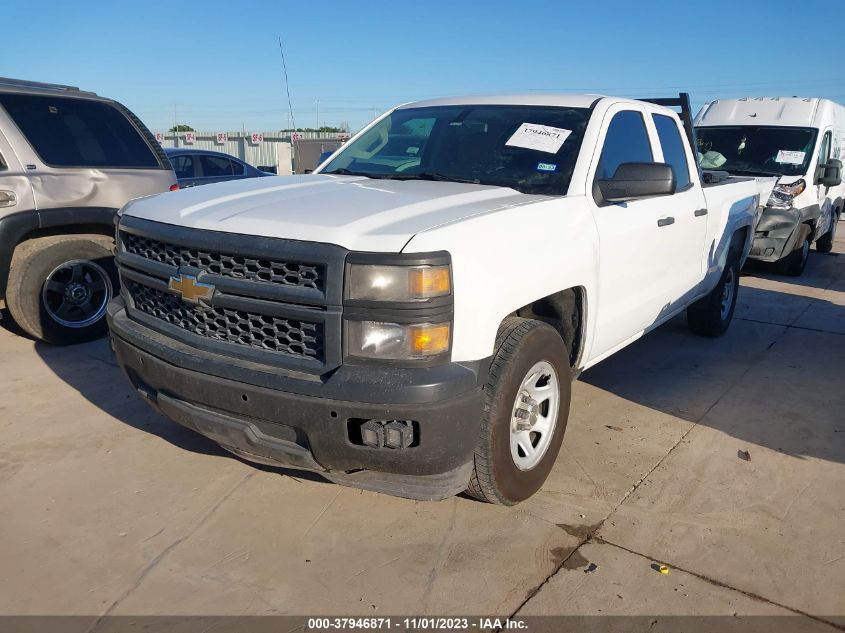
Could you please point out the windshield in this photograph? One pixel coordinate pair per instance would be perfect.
(756, 150)
(529, 148)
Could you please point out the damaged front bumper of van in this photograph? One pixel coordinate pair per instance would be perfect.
(781, 231)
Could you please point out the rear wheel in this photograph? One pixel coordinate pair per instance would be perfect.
(795, 263)
(527, 406)
(712, 315)
(59, 287)
(825, 243)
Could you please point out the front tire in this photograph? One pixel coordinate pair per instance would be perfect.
(712, 315)
(795, 263)
(59, 287)
(528, 392)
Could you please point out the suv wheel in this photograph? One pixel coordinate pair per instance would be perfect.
(59, 287)
(527, 395)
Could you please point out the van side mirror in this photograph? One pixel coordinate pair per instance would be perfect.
(634, 181)
(829, 174)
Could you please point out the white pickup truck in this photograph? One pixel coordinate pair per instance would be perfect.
(409, 318)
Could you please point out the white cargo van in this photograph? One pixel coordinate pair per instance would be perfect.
(799, 140)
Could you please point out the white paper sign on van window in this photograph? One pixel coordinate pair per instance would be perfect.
(542, 138)
(790, 157)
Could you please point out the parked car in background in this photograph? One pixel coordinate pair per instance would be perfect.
(202, 167)
(409, 318)
(801, 141)
(68, 160)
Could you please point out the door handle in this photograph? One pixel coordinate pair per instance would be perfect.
(665, 221)
(8, 198)
(699, 212)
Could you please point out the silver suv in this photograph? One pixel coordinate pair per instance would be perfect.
(69, 160)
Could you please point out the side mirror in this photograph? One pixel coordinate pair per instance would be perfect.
(829, 174)
(633, 181)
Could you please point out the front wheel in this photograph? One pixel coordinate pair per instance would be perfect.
(712, 315)
(527, 397)
(795, 263)
(59, 287)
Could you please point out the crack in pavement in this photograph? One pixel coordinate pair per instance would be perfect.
(719, 583)
(159, 557)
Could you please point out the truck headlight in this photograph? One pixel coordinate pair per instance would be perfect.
(396, 341)
(372, 282)
(783, 195)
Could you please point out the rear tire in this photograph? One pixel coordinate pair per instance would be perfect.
(712, 315)
(59, 287)
(825, 243)
(527, 396)
(795, 263)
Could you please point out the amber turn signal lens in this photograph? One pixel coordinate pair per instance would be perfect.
(429, 340)
(430, 281)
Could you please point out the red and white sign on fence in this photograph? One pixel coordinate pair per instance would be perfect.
(297, 136)
(189, 138)
(256, 138)
(160, 137)
(222, 137)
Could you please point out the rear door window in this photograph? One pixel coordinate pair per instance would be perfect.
(237, 168)
(626, 142)
(69, 132)
(215, 166)
(183, 166)
(673, 149)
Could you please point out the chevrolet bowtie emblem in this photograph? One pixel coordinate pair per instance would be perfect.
(190, 289)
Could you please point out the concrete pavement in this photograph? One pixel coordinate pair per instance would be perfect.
(111, 509)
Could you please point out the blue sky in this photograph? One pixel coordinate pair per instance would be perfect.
(216, 64)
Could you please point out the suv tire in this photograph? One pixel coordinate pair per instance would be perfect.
(59, 287)
(527, 396)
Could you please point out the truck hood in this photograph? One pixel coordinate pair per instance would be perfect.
(354, 212)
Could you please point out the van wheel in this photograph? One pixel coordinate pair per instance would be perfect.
(527, 397)
(825, 243)
(711, 315)
(59, 287)
(795, 263)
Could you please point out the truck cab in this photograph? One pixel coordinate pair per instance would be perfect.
(409, 318)
(799, 141)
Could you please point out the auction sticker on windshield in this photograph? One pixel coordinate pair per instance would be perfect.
(542, 138)
(790, 157)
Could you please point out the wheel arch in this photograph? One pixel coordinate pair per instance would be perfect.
(18, 228)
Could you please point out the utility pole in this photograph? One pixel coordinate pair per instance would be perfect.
(317, 104)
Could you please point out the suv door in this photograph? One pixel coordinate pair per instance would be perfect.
(650, 249)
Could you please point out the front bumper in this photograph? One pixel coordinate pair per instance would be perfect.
(780, 231)
(309, 423)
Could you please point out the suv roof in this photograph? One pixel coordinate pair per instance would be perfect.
(37, 87)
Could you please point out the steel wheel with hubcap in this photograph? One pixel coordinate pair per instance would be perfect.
(534, 415)
(527, 396)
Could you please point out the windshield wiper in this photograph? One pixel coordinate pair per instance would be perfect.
(348, 172)
(751, 172)
(436, 176)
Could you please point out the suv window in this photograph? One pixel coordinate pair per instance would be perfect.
(673, 148)
(69, 132)
(183, 165)
(215, 166)
(626, 142)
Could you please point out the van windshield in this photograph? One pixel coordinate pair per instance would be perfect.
(752, 150)
(529, 148)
